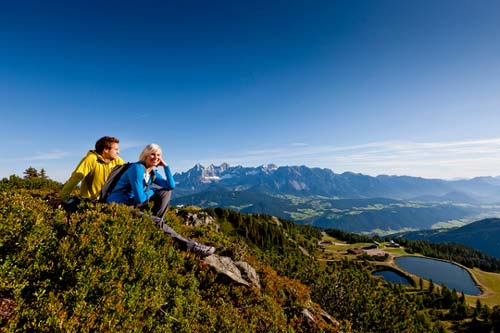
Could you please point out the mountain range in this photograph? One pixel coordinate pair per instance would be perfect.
(349, 201)
(305, 181)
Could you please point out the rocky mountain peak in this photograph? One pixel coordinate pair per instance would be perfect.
(269, 168)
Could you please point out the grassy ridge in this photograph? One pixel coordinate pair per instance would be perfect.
(106, 269)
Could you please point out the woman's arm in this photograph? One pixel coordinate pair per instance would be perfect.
(168, 183)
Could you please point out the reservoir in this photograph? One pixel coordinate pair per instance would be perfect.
(441, 272)
(393, 277)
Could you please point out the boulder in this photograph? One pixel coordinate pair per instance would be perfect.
(249, 273)
(226, 266)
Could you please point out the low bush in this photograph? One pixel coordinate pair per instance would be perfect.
(104, 268)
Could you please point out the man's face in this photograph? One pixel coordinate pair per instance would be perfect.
(112, 152)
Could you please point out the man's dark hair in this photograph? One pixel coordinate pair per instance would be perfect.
(105, 143)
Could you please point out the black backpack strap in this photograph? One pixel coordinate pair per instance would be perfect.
(113, 179)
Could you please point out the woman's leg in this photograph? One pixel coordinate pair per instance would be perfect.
(160, 199)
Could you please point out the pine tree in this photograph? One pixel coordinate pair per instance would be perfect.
(495, 318)
(485, 311)
(431, 286)
(43, 174)
(477, 310)
(462, 298)
(30, 173)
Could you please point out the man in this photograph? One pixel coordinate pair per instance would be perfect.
(94, 169)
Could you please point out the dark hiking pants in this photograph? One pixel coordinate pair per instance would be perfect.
(160, 199)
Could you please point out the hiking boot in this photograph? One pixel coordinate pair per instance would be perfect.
(202, 250)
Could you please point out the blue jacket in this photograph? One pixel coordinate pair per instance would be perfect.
(132, 188)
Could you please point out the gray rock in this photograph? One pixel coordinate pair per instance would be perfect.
(240, 272)
(249, 273)
(308, 315)
(226, 266)
(314, 314)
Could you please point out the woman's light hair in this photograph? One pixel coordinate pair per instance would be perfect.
(148, 150)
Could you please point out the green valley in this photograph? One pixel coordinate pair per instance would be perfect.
(369, 216)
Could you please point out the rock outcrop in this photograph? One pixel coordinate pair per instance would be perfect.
(248, 273)
(200, 218)
(316, 314)
(240, 272)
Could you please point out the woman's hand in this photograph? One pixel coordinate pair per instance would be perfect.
(162, 162)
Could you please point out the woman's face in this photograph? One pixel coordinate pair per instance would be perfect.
(153, 159)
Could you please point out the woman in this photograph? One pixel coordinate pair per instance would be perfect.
(142, 183)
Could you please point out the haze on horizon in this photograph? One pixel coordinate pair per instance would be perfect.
(372, 87)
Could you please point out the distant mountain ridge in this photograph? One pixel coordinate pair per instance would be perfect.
(483, 235)
(305, 182)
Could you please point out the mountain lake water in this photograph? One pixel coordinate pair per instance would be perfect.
(441, 272)
(394, 277)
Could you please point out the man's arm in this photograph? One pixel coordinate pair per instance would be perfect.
(83, 168)
(76, 177)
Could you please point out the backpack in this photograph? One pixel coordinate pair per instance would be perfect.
(114, 177)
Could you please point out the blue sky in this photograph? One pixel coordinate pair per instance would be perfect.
(376, 87)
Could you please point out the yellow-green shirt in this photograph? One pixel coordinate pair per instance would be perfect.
(92, 172)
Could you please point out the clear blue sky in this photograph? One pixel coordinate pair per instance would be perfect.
(377, 87)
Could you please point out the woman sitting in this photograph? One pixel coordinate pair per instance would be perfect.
(142, 184)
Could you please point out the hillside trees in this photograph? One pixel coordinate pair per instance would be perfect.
(34, 173)
(350, 237)
(31, 173)
(345, 289)
(33, 179)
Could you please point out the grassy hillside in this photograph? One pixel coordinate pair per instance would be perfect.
(483, 235)
(105, 268)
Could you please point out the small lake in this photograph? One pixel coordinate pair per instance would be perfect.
(441, 272)
(393, 277)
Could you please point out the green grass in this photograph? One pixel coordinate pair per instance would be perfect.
(302, 214)
(448, 224)
(490, 284)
